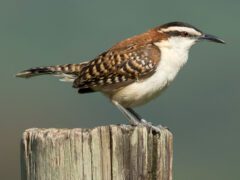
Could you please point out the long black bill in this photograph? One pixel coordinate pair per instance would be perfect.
(211, 38)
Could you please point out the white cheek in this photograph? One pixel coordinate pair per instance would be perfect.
(181, 42)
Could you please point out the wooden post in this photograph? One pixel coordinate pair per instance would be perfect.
(104, 153)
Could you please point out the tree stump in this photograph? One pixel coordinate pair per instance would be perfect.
(112, 152)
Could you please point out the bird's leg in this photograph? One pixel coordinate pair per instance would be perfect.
(143, 121)
(133, 120)
(135, 114)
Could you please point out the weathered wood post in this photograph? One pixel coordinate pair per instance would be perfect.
(103, 153)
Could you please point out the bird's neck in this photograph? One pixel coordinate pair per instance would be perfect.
(173, 55)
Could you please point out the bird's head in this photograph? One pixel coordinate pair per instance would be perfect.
(183, 35)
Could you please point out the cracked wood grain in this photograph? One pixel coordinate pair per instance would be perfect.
(102, 153)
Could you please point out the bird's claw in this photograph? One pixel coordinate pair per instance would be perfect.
(150, 125)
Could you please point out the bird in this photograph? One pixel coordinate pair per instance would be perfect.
(134, 71)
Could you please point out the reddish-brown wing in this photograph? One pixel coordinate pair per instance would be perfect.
(119, 67)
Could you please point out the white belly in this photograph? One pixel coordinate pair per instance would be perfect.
(141, 92)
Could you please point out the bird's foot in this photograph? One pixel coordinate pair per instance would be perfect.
(150, 125)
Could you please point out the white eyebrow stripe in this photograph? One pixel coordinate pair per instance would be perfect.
(177, 28)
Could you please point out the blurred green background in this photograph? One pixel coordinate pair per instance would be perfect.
(202, 106)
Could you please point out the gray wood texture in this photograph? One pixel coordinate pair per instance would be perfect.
(102, 153)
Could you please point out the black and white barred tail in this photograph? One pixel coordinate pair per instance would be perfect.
(67, 72)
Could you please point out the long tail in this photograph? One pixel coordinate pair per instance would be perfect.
(68, 72)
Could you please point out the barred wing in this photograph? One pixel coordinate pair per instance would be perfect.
(118, 68)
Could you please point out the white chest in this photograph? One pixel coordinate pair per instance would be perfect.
(141, 92)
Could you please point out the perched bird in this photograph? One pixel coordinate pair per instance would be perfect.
(135, 70)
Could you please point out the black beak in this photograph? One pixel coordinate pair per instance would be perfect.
(211, 38)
